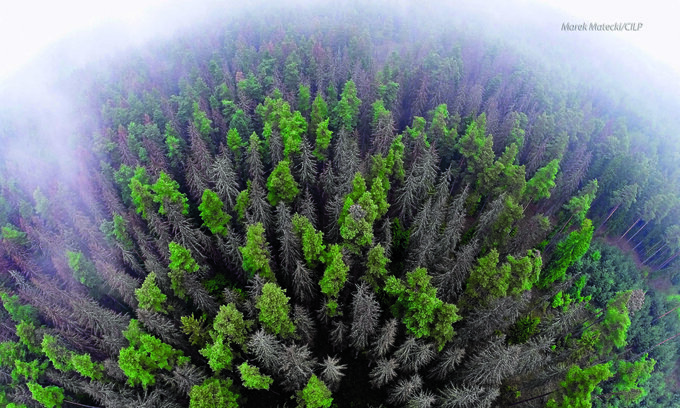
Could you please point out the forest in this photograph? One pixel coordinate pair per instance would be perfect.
(332, 207)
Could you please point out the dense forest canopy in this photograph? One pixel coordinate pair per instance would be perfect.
(339, 207)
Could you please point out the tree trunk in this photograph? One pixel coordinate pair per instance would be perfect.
(608, 217)
(638, 231)
(565, 225)
(657, 345)
(669, 260)
(629, 228)
(649, 249)
(652, 255)
(659, 317)
(660, 257)
(638, 244)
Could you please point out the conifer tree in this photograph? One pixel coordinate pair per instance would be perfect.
(223, 176)
(150, 296)
(311, 239)
(384, 371)
(315, 394)
(229, 324)
(567, 252)
(296, 366)
(281, 185)
(255, 253)
(576, 390)
(323, 140)
(213, 392)
(334, 277)
(365, 314)
(212, 213)
(539, 186)
(274, 310)
(319, 113)
(332, 372)
(181, 264)
(346, 112)
(251, 377)
(422, 312)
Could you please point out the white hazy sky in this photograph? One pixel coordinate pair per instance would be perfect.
(29, 26)
(658, 36)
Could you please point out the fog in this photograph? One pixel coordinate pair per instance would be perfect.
(47, 47)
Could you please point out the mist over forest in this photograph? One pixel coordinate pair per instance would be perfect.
(338, 205)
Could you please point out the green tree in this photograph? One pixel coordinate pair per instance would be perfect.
(11, 234)
(256, 256)
(614, 328)
(145, 356)
(195, 329)
(174, 145)
(275, 310)
(291, 72)
(346, 112)
(229, 324)
(57, 354)
(440, 132)
(250, 88)
(323, 140)
(292, 127)
(83, 269)
(422, 312)
(303, 99)
(395, 159)
(150, 296)
(84, 365)
(539, 186)
(476, 147)
(241, 123)
(26, 331)
(219, 355)
(575, 391)
(524, 272)
(167, 193)
(567, 253)
(579, 205)
(203, 124)
(335, 274)
(376, 267)
(181, 263)
(213, 393)
(29, 370)
(319, 113)
(281, 184)
(253, 379)
(116, 229)
(18, 312)
(140, 191)
(235, 142)
(242, 202)
(212, 213)
(50, 397)
(629, 377)
(487, 280)
(315, 394)
(312, 240)
(358, 214)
